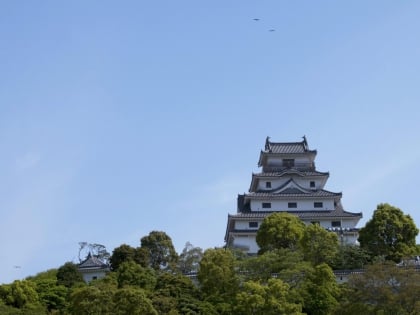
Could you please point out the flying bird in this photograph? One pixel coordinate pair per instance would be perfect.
(272, 30)
(256, 20)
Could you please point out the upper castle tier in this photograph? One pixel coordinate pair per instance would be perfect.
(288, 182)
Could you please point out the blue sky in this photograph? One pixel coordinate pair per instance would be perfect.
(117, 119)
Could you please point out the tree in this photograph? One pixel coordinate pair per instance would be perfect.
(130, 273)
(270, 299)
(319, 291)
(217, 275)
(68, 275)
(132, 301)
(384, 289)
(280, 230)
(19, 294)
(319, 245)
(161, 251)
(175, 292)
(53, 296)
(189, 260)
(390, 233)
(263, 266)
(121, 254)
(90, 300)
(350, 257)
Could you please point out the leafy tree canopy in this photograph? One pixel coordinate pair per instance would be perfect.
(189, 260)
(121, 254)
(280, 230)
(132, 274)
(161, 251)
(217, 274)
(69, 275)
(319, 245)
(383, 288)
(390, 233)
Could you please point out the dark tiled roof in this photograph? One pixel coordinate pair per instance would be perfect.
(291, 193)
(338, 212)
(287, 147)
(250, 231)
(291, 147)
(291, 172)
(92, 262)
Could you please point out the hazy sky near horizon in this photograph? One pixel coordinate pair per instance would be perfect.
(117, 119)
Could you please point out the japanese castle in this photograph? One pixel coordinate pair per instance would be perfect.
(288, 182)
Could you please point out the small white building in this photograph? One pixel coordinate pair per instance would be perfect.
(288, 182)
(93, 268)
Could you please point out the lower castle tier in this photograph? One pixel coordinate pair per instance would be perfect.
(288, 182)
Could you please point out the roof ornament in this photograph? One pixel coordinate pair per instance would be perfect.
(305, 143)
(267, 144)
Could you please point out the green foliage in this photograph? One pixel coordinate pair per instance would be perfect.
(320, 291)
(383, 289)
(50, 274)
(270, 299)
(350, 257)
(19, 294)
(319, 245)
(289, 276)
(132, 274)
(91, 300)
(176, 292)
(121, 254)
(68, 275)
(217, 275)
(390, 233)
(132, 301)
(30, 309)
(53, 296)
(280, 230)
(262, 267)
(189, 260)
(161, 251)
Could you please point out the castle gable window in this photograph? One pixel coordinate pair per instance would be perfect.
(292, 205)
(336, 223)
(267, 184)
(253, 224)
(288, 162)
(318, 204)
(266, 205)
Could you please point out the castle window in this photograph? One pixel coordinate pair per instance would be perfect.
(336, 223)
(266, 205)
(318, 204)
(267, 184)
(253, 224)
(312, 184)
(292, 205)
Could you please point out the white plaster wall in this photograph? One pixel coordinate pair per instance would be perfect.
(275, 161)
(248, 241)
(282, 205)
(345, 224)
(278, 182)
(244, 225)
(89, 276)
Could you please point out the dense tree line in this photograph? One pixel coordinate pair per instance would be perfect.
(292, 274)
